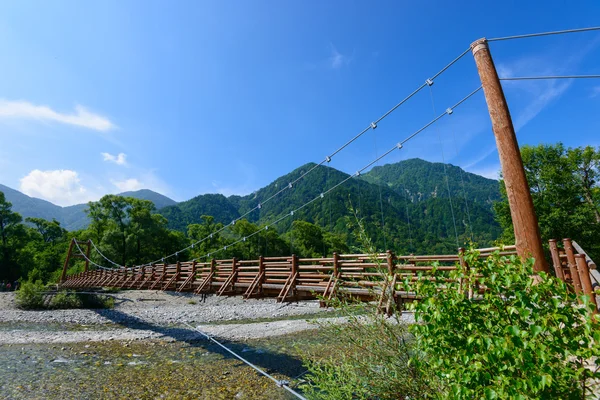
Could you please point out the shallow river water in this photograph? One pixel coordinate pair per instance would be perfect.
(149, 369)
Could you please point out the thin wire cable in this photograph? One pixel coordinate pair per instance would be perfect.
(357, 173)
(279, 383)
(528, 78)
(103, 256)
(90, 261)
(373, 125)
(462, 182)
(445, 172)
(328, 159)
(411, 247)
(380, 198)
(529, 35)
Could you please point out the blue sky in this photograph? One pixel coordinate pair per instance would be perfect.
(200, 97)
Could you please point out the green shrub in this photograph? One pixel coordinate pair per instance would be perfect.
(367, 359)
(526, 337)
(97, 301)
(30, 295)
(65, 300)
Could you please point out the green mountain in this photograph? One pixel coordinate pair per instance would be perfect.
(415, 218)
(422, 180)
(158, 199)
(71, 217)
(404, 206)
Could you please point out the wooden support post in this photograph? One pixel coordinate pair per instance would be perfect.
(294, 273)
(572, 265)
(336, 267)
(87, 255)
(213, 270)
(525, 223)
(261, 273)
(390, 262)
(556, 259)
(586, 281)
(63, 276)
(193, 273)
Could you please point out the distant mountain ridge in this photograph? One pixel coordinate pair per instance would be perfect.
(405, 205)
(410, 197)
(70, 217)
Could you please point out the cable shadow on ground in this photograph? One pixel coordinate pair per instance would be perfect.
(272, 362)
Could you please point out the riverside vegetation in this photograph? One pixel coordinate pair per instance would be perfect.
(522, 339)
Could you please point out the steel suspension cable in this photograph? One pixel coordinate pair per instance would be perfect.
(380, 199)
(530, 35)
(398, 146)
(327, 159)
(279, 383)
(411, 246)
(445, 172)
(103, 256)
(529, 78)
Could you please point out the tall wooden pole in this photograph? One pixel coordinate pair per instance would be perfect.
(525, 223)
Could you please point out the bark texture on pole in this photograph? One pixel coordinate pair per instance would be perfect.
(525, 223)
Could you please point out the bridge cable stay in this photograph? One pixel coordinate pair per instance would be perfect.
(327, 159)
(444, 167)
(411, 247)
(462, 182)
(528, 78)
(380, 196)
(280, 383)
(328, 191)
(398, 146)
(530, 35)
(103, 256)
(92, 262)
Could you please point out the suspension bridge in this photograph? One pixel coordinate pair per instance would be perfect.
(361, 275)
(365, 276)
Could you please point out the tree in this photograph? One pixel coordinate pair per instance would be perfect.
(564, 188)
(51, 231)
(12, 235)
(129, 231)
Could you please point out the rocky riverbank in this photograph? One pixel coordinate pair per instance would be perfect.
(141, 315)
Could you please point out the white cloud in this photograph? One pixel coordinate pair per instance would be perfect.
(490, 172)
(82, 117)
(61, 187)
(595, 91)
(128, 185)
(337, 59)
(119, 159)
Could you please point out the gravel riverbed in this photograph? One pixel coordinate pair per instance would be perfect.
(159, 315)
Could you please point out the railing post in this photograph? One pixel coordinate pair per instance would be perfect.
(213, 269)
(572, 265)
(294, 273)
(193, 273)
(556, 259)
(584, 277)
(336, 267)
(390, 262)
(261, 270)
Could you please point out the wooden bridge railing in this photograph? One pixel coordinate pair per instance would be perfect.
(575, 267)
(286, 278)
